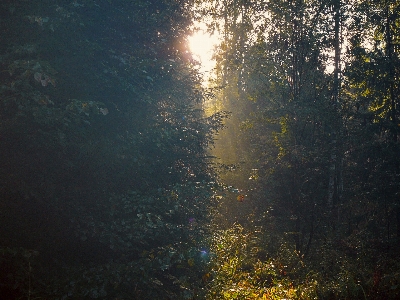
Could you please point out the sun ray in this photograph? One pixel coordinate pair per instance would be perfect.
(202, 44)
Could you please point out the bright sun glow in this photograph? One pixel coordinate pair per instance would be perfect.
(202, 45)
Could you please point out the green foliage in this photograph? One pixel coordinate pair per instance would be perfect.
(240, 269)
(321, 129)
(102, 128)
(159, 237)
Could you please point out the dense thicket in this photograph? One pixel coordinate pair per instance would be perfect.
(103, 171)
(316, 98)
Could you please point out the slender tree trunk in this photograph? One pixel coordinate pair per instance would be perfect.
(389, 51)
(389, 54)
(334, 190)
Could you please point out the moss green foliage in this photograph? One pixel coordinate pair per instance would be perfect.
(244, 266)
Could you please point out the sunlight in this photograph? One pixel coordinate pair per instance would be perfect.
(202, 45)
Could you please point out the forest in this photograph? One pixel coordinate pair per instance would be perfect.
(124, 176)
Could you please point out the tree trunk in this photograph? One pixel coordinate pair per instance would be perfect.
(335, 181)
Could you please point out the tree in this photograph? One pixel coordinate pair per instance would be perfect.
(372, 77)
(103, 140)
(323, 123)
